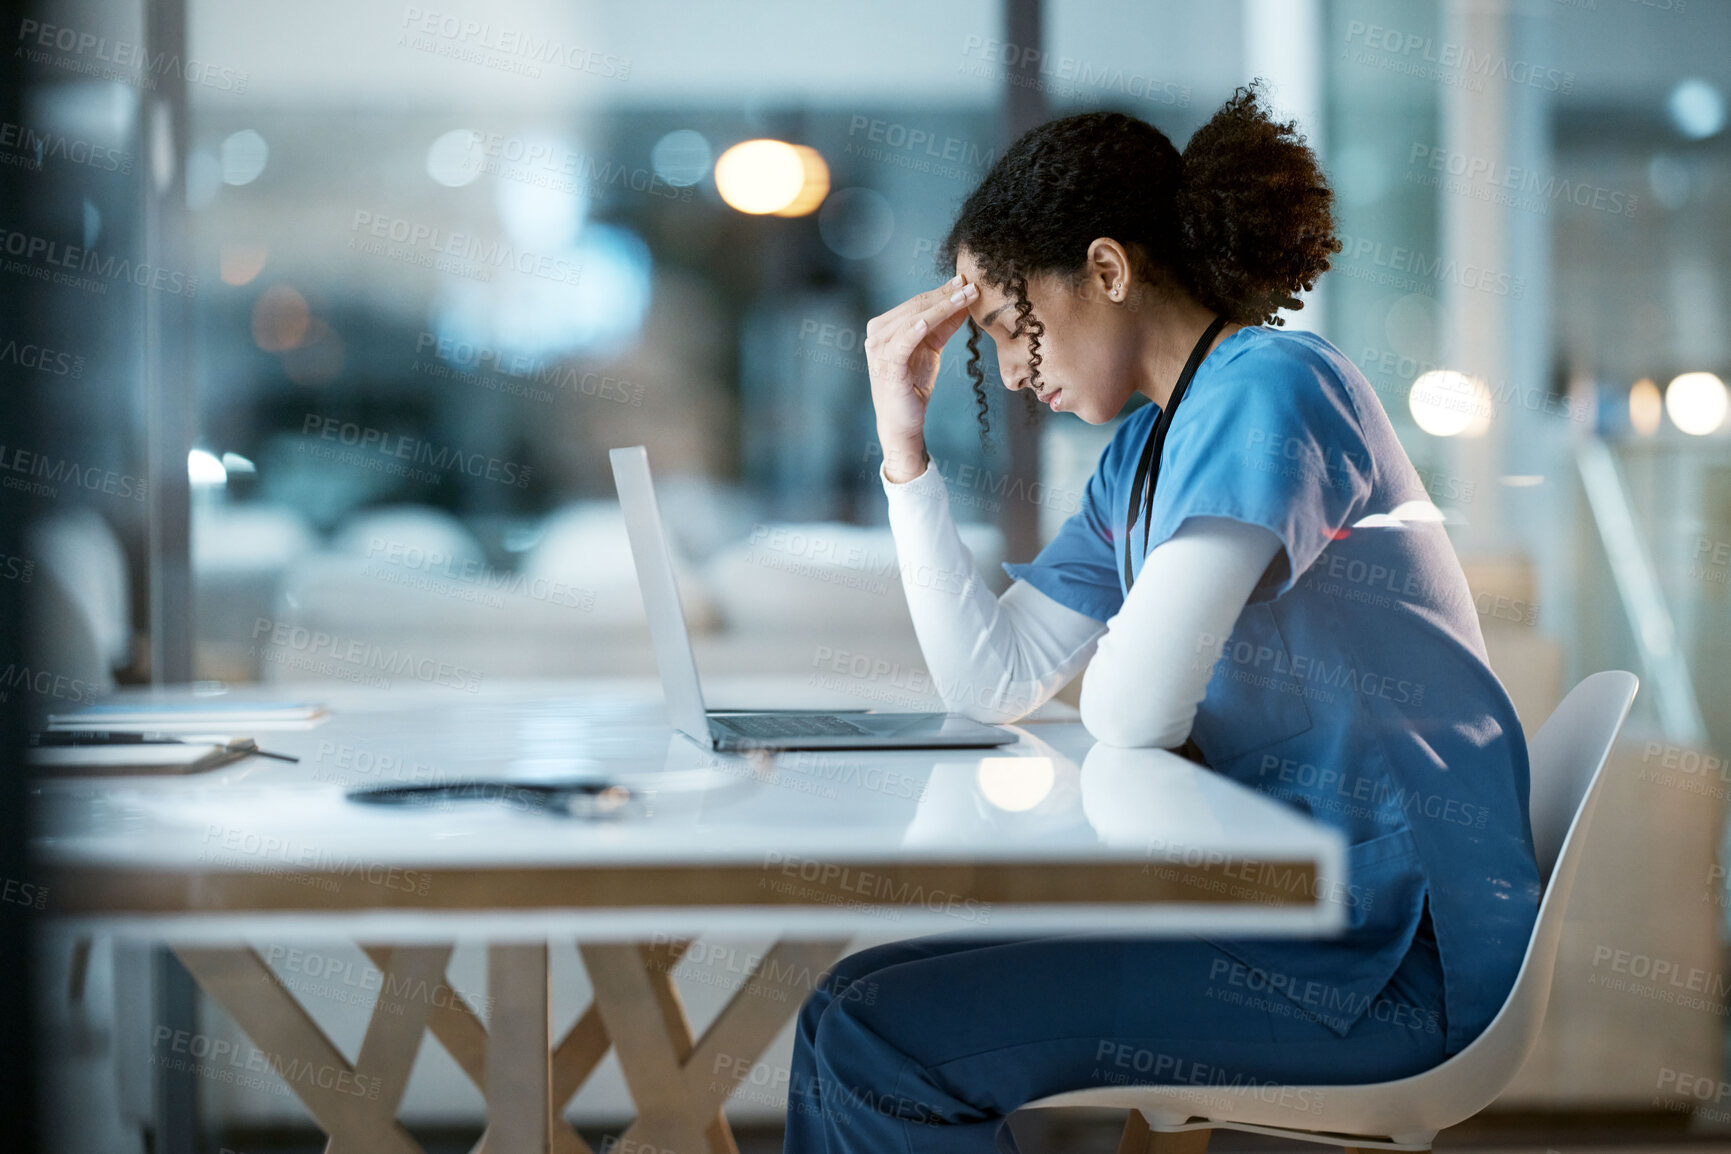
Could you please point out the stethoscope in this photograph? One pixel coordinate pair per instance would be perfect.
(1148, 468)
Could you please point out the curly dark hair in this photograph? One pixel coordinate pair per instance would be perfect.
(1243, 219)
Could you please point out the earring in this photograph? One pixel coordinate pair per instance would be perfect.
(1117, 291)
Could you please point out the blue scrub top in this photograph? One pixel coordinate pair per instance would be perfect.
(1355, 684)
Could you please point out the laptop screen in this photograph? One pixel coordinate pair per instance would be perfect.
(654, 563)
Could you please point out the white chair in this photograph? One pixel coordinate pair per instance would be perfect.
(1566, 758)
(83, 628)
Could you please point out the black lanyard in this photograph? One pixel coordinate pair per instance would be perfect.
(1148, 468)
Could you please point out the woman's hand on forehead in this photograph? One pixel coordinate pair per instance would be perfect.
(902, 349)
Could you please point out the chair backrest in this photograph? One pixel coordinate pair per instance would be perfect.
(1566, 756)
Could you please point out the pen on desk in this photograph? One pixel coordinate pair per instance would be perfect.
(74, 737)
(251, 746)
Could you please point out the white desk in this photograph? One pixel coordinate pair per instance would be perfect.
(1049, 835)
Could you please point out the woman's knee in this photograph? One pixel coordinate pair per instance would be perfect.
(858, 1070)
(850, 1052)
(849, 980)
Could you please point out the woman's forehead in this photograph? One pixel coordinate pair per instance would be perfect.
(990, 306)
(991, 297)
(974, 272)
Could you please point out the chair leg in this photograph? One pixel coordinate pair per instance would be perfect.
(1182, 1142)
(1136, 1135)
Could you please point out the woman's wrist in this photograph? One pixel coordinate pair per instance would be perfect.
(904, 459)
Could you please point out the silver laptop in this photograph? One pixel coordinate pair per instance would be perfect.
(728, 729)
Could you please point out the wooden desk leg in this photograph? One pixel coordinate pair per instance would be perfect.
(456, 1026)
(519, 1064)
(677, 1082)
(405, 1005)
(574, 1059)
(307, 1060)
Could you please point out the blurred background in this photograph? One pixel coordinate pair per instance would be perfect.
(334, 308)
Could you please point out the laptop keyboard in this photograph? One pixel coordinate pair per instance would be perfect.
(805, 725)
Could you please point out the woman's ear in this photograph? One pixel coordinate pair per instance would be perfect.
(1109, 274)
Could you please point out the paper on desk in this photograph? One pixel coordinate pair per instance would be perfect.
(129, 758)
(200, 715)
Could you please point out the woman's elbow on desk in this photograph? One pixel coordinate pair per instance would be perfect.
(1114, 718)
(1000, 709)
(1133, 736)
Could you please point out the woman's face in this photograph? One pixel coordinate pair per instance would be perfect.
(1088, 352)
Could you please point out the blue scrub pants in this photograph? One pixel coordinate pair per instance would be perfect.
(926, 1046)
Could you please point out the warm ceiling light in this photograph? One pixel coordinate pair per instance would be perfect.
(771, 176)
(816, 185)
(1450, 404)
(1696, 403)
(280, 319)
(1645, 407)
(242, 262)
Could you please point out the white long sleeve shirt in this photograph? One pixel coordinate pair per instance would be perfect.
(996, 659)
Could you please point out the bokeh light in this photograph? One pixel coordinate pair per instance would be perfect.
(454, 159)
(1696, 403)
(244, 154)
(681, 158)
(280, 319)
(1446, 403)
(815, 188)
(1646, 406)
(856, 223)
(771, 176)
(1697, 108)
(542, 216)
(241, 263)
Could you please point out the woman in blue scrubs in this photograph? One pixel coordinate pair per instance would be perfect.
(1353, 684)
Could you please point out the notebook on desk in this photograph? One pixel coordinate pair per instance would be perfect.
(200, 715)
(768, 729)
(131, 760)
